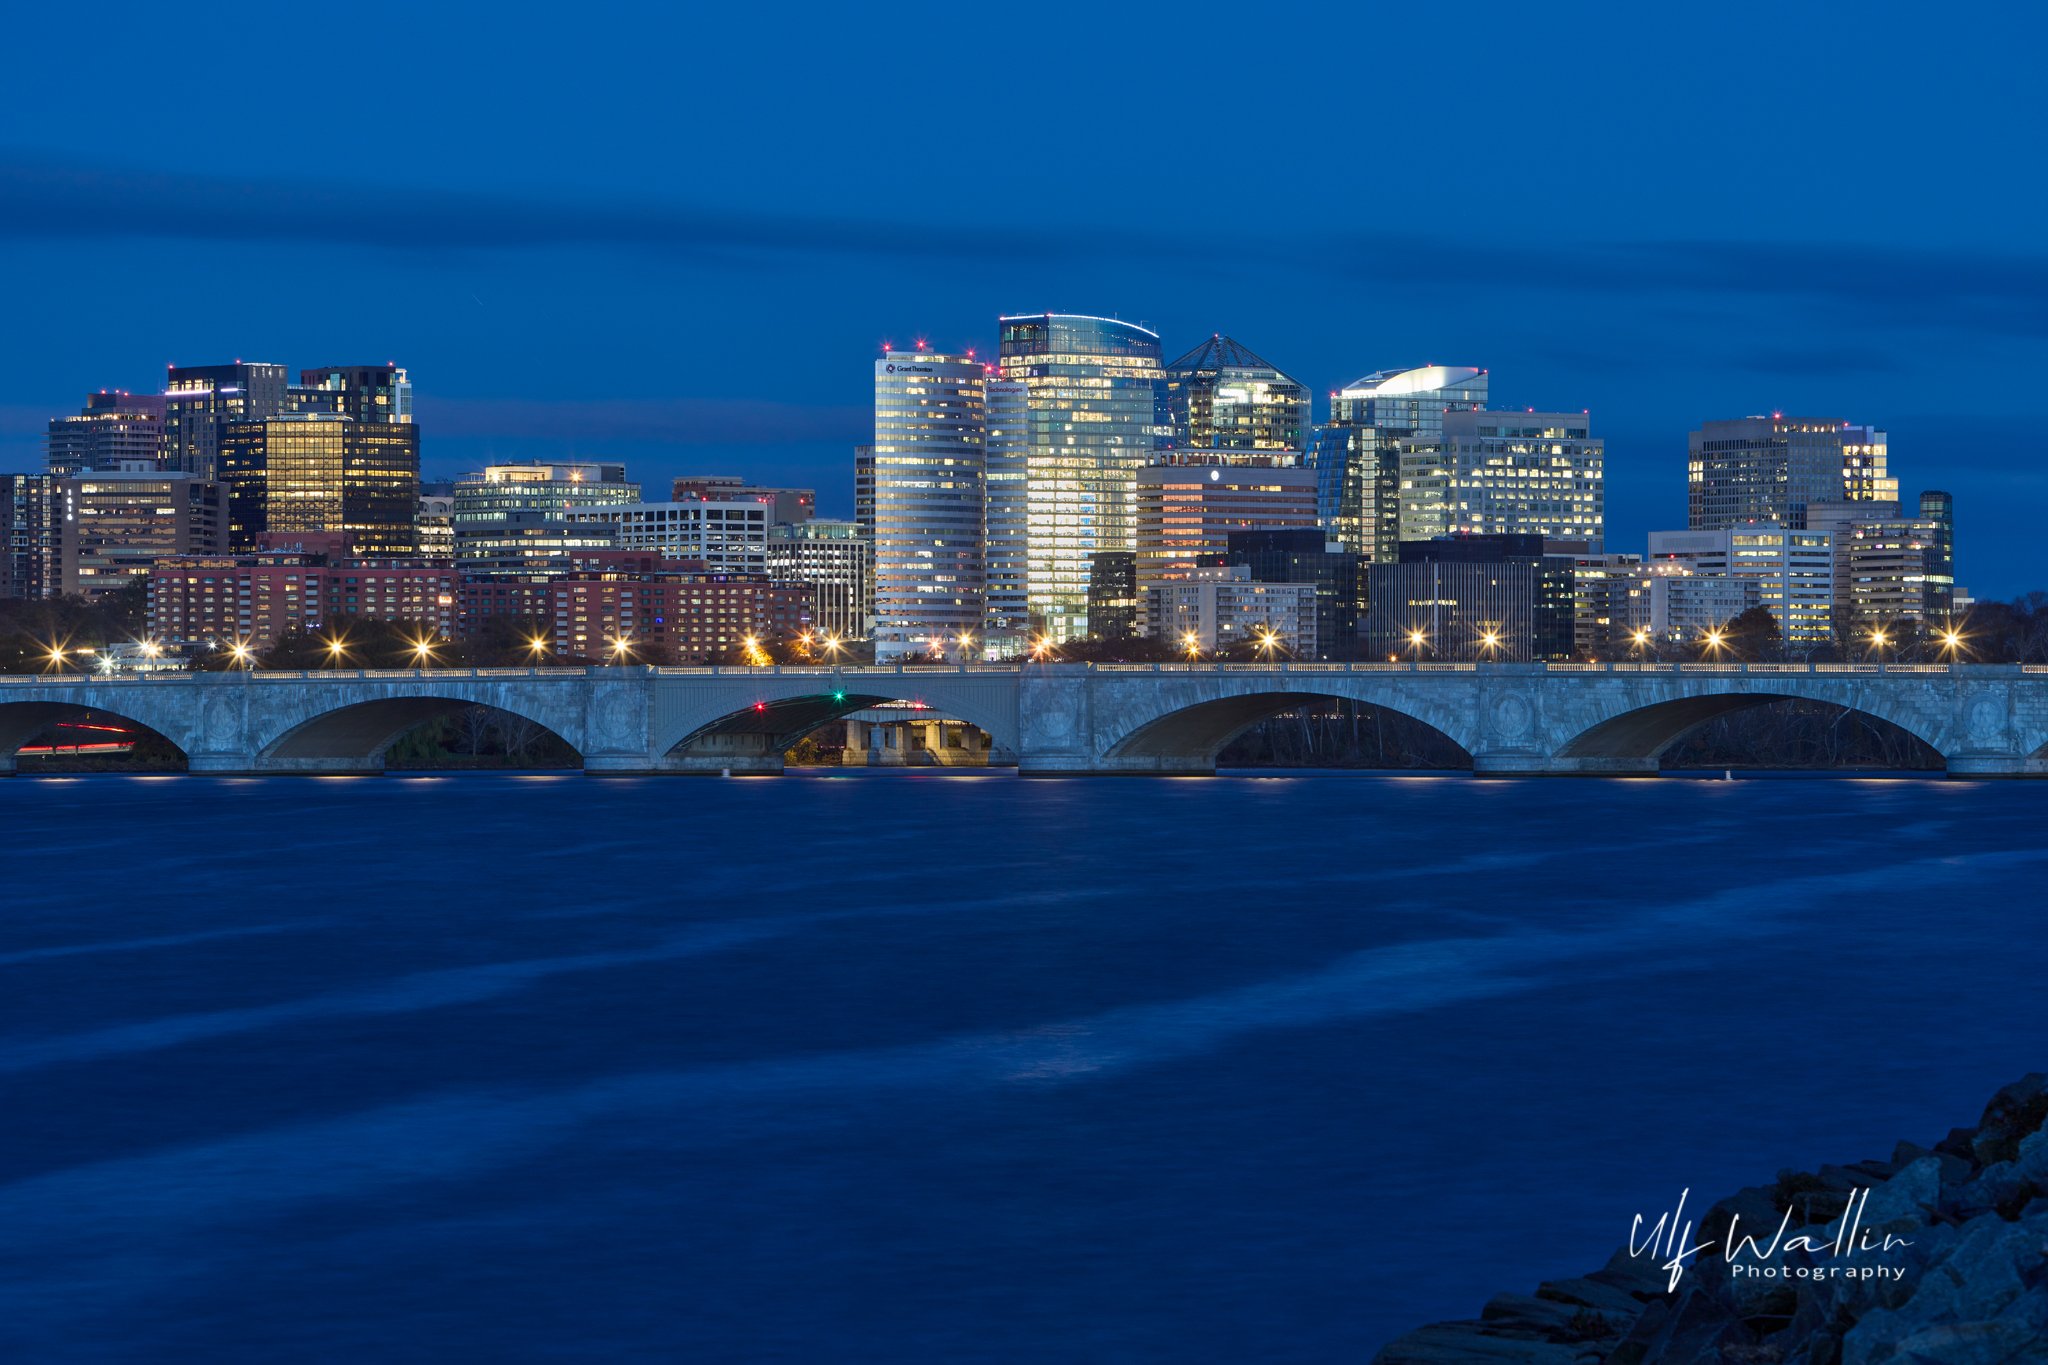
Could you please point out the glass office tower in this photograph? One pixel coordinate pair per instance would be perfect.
(931, 440)
(301, 472)
(1094, 395)
(1007, 628)
(1772, 468)
(1220, 396)
(1381, 476)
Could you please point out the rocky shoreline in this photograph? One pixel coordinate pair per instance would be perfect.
(1949, 1247)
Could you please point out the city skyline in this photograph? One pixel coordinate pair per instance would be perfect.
(562, 281)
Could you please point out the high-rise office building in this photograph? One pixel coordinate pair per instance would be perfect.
(1769, 469)
(117, 523)
(1896, 569)
(831, 559)
(1115, 602)
(513, 519)
(864, 517)
(931, 445)
(1188, 510)
(1094, 393)
(114, 430)
(323, 471)
(721, 537)
(201, 400)
(1610, 603)
(1306, 555)
(1380, 477)
(1499, 597)
(1524, 473)
(1794, 570)
(1006, 554)
(29, 518)
(1220, 396)
(368, 393)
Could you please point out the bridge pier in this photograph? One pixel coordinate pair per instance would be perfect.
(716, 754)
(1995, 765)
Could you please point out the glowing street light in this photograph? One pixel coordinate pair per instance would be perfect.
(422, 653)
(1714, 640)
(1878, 640)
(1489, 642)
(622, 647)
(337, 650)
(243, 656)
(539, 647)
(152, 650)
(1192, 643)
(1416, 640)
(55, 658)
(1951, 643)
(832, 647)
(1042, 649)
(1268, 642)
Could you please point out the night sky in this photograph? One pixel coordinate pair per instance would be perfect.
(676, 235)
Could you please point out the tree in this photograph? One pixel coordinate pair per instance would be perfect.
(1753, 635)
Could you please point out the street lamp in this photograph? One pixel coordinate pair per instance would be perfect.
(1951, 644)
(965, 639)
(1489, 642)
(152, 650)
(832, 648)
(622, 647)
(1192, 643)
(243, 656)
(538, 645)
(55, 658)
(337, 650)
(1268, 642)
(1714, 640)
(422, 653)
(1416, 640)
(1878, 640)
(1042, 649)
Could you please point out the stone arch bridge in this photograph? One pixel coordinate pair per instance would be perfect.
(1514, 719)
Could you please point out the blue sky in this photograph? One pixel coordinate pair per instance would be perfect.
(675, 234)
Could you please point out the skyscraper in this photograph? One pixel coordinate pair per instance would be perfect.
(368, 393)
(199, 402)
(1094, 393)
(1220, 396)
(1007, 555)
(931, 442)
(831, 560)
(323, 471)
(1524, 473)
(1769, 469)
(114, 430)
(1380, 477)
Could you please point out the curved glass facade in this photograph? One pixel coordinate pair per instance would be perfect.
(1094, 392)
(1381, 473)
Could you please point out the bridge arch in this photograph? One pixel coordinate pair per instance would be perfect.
(355, 735)
(1184, 726)
(1635, 737)
(22, 720)
(753, 728)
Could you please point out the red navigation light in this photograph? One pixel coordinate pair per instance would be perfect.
(760, 706)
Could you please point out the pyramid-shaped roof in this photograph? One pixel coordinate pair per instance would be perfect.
(1221, 352)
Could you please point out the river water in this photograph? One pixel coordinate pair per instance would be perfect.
(947, 1067)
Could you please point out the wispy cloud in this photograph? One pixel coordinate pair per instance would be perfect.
(45, 199)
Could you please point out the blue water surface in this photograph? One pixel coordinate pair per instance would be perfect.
(947, 1067)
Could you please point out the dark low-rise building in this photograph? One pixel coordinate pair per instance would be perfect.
(1497, 598)
(1306, 555)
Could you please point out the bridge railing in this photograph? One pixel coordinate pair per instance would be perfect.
(1278, 666)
